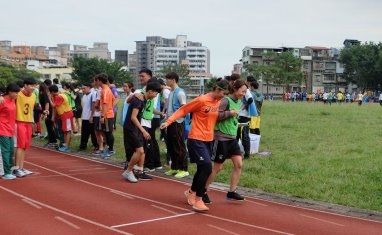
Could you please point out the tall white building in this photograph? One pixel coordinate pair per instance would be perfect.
(197, 58)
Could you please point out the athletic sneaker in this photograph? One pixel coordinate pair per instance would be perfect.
(171, 172)
(105, 154)
(159, 168)
(63, 149)
(234, 196)
(146, 169)
(199, 206)
(191, 197)
(111, 152)
(18, 173)
(96, 152)
(144, 176)
(206, 199)
(182, 174)
(9, 177)
(129, 176)
(27, 172)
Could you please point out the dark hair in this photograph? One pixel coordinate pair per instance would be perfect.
(172, 75)
(101, 77)
(153, 86)
(53, 88)
(12, 87)
(42, 89)
(48, 82)
(20, 83)
(55, 80)
(29, 81)
(110, 79)
(222, 84)
(87, 84)
(69, 86)
(146, 70)
(255, 85)
(160, 80)
(234, 77)
(235, 85)
(251, 79)
(130, 85)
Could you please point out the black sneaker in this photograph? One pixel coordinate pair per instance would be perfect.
(206, 199)
(144, 176)
(234, 196)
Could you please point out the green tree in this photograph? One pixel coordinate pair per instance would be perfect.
(288, 69)
(84, 69)
(363, 65)
(210, 84)
(10, 73)
(281, 69)
(181, 69)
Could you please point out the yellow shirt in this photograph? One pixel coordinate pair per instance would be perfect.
(62, 104)
(24, 106)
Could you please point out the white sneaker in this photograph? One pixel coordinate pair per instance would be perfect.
(19, 173)
(129, 176)
(27, 172)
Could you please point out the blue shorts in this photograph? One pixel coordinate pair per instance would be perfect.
(199, 151)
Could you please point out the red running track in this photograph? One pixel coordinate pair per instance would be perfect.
(73, 195)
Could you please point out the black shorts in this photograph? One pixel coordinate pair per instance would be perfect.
(223, 150)
(77, 113)
(108, 125)
(97, 125)
(135, 139)
(199, 151)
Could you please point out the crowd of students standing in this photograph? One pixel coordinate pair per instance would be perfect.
(212, 124)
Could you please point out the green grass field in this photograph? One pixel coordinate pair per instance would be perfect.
(319, 152)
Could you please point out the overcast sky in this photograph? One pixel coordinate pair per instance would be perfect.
(224, 26)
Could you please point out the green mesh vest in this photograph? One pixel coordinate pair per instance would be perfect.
(148, 112)
(229, 126)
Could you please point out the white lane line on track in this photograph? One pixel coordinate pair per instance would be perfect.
(152, 220)
(122, 194)
(72, 167)
(87, 169)
(67, 222)
(257, 203)
(223, 230)
(64, 212)
(164, 209)
(31, 203)
(252, 197)
(152, 201)
(108, 189)
(74, 174)
(60, 161)
(322, 220)
(248, 225)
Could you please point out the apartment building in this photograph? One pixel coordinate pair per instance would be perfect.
(156, 52)
(321, 69)
(122, 56)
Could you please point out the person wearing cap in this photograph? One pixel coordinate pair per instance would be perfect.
(25, 103)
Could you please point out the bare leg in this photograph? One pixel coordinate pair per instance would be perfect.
(236, 173)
